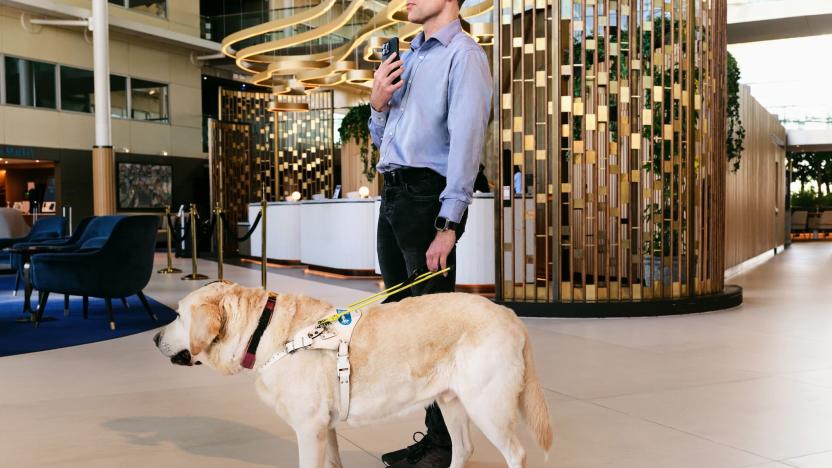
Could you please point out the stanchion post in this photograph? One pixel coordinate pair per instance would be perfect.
(195, 275)
(264, 257)
(169, 269)
(219, 233)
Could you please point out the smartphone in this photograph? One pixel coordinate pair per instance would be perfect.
(390, 47)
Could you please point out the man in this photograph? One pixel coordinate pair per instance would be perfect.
(429, 128)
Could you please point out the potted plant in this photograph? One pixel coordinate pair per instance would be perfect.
(354, 127)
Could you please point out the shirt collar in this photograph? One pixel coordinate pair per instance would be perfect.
(444, 35)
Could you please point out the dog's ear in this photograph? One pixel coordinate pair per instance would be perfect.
(206, 322)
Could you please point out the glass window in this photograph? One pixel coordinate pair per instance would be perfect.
(151, 7)
(77, 87)
(149, 100)
(30, 83)
(118, 96)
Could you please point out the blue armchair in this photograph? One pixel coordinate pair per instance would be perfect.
(18, 259)
(48, 227)
(97, 228)
(121, 267)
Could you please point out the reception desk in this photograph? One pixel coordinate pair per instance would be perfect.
(475, 250)
(340, 236)
(283, 230)
(330, 234)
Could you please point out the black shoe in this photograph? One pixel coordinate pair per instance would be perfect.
(422, 454)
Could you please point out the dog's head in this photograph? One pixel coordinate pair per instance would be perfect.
(211, 327)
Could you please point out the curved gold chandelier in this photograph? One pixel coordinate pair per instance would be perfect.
(272, 63)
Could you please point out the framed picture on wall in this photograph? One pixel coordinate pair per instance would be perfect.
(143, 186)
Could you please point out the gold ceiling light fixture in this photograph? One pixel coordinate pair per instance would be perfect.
(329, 68)
(277, 105)
(483, 33)
(274, 26)
(257, 53)
(359, 77)
(372, 50)
(289, 98)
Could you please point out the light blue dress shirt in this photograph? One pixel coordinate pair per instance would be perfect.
(438, 119)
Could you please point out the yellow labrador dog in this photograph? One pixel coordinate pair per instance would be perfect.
(470, 355)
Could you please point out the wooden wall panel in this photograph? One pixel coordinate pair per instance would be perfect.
(352, 171)
(754, 197)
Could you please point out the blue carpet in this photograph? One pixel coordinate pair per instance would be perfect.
(19, 338)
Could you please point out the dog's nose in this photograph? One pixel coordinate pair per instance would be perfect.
(182, 358)
(157, 338)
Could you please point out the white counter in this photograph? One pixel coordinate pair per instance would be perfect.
(283, 229)
(341, 234)
(475, 251)
(338, 234)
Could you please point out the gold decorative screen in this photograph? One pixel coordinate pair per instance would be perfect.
(305, 146)
(301, 158)
(230, 160)
(612, 118)
(252, 108)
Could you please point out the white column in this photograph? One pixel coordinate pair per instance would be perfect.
(100, 23)
(103, 161)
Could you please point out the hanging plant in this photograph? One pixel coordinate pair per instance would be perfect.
(736, 131)
(354, 127)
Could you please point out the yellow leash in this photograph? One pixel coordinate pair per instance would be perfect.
(382, 295)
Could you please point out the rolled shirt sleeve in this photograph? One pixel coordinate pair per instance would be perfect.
(378, 120)
(469, 107)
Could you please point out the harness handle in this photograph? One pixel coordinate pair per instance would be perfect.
(414, 279)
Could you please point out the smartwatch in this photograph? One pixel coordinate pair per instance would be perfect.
(442, 223)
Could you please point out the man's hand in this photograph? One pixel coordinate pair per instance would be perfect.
(440, 248)
(383, 87)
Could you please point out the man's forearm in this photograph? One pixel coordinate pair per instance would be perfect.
(377, 123)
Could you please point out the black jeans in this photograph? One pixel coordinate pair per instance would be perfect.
(409, 206)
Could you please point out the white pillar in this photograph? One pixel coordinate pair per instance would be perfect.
(103, 161)
(100, 23)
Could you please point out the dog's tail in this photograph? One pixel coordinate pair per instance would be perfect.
(533, 402)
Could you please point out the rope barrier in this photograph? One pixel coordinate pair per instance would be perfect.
(245, 236)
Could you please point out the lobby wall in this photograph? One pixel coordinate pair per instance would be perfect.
(73, 176)
(755, 199)
(134, 56)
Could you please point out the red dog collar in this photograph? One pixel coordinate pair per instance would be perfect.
(254, 341)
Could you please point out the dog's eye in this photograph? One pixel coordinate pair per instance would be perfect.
(216, 340)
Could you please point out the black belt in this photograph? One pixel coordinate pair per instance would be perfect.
(409, 175)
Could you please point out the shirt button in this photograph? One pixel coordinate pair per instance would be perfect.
(421, 57)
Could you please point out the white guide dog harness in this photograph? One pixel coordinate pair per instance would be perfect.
(333, 336)
(330, 333)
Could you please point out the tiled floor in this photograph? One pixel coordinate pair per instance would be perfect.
(749, 387)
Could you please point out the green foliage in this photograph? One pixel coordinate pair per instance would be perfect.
(354, 127)
(809, 200)
(813, 168)
(736, 131)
